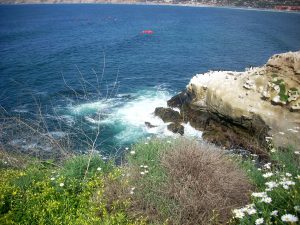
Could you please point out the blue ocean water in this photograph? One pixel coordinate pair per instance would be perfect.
(90, 66)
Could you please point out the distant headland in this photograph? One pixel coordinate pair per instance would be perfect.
(288, 5)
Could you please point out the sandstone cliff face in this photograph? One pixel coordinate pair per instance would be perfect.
(257, 98)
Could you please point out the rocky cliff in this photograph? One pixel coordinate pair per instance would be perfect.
(244, 109)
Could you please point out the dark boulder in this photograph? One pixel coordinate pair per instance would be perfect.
(180, 99)
(176, 128)
(168, 115)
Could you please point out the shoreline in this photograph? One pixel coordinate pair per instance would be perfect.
(157, 4)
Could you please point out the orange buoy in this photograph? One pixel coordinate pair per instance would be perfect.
(147, 32)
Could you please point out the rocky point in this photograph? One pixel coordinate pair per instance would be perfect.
(243, 109)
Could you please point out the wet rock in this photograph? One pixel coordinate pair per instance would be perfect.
(149, 125)
(180, 99)
(176, 128)
(168, 115)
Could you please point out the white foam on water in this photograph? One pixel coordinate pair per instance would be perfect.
(127, 116)
(91, 107)
(136, 112)
(190, 131)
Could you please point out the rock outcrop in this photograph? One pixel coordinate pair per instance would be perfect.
(240, 109)
(168, 115)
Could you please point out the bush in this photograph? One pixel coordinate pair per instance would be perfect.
(184, 182)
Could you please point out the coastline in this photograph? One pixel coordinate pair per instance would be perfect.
(198, 5)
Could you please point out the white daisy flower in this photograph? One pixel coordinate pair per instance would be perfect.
(286, 187)
(259, 221)
(132, 152)
(259, 194)
(266, 200)
(99, 169)
(266, 175)
(61, 184)
(251, 211)
(297, 208)
(267, 166)
(289, 218)
(271, 184)
(274, 213)
(52, 178)
(238, 213)
(287, 182)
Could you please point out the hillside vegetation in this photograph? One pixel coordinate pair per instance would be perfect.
(240, 3)
(160, 182)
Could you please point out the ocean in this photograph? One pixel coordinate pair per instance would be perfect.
(88, 70)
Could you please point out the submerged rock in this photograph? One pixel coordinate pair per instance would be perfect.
(149, 125)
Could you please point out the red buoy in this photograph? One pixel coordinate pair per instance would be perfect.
(147, 32)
